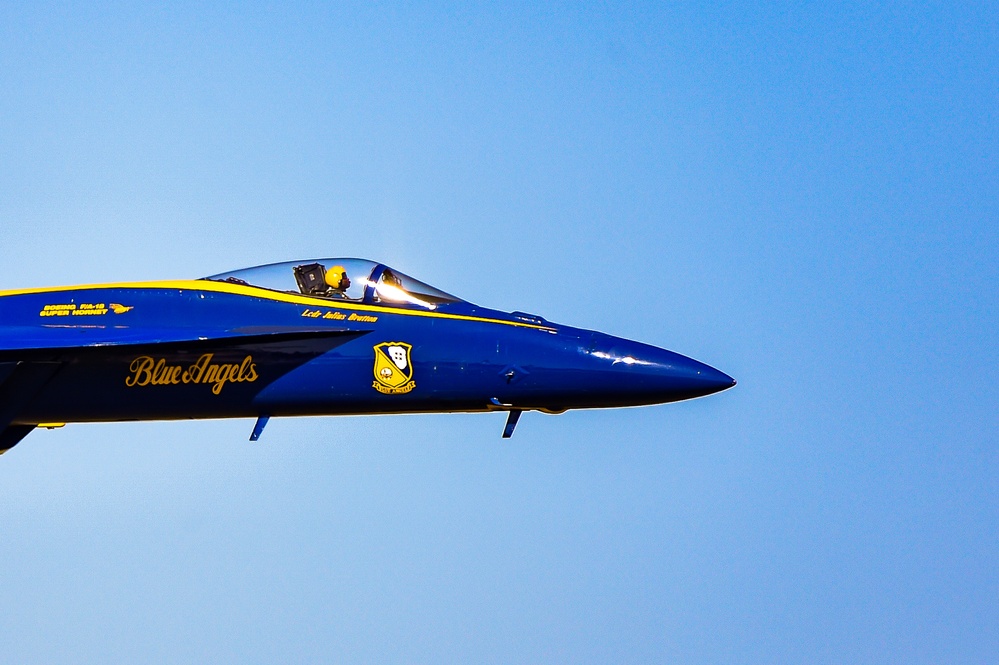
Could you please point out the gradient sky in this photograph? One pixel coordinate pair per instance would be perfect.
(802, 195)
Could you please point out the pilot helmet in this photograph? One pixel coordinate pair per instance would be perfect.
(337, 278)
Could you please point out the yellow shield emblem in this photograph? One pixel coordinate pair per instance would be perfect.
(393, 368)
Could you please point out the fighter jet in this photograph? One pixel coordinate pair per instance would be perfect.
(307, 338)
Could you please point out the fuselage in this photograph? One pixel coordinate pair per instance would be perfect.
(218, 349)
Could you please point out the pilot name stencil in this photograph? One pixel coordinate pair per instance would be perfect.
(146, 371)
(338, 316)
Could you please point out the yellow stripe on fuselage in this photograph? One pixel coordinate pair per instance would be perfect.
(266, 294)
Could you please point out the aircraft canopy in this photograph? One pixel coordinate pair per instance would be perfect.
(356, 280)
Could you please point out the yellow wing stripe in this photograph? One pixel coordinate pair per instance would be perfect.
(266, 294)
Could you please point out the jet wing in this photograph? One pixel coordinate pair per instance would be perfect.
(30, 357)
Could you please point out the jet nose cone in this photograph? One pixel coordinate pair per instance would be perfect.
(712, 379)
(651, 375)
(688, 375)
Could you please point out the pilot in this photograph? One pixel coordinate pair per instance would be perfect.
(337, 280)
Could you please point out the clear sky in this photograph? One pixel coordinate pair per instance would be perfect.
(804, 196)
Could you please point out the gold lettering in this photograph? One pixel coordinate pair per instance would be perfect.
(158, 372)
(196, 372)
(141, 369)
(146, 371)
(244, 369)
(226, 373)
(211, 374)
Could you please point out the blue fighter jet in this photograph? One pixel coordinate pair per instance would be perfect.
(307, 338)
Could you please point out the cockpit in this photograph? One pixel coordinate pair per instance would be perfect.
(353, 280)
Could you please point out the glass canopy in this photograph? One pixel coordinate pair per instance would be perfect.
(356, 280)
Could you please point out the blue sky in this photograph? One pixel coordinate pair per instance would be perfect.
(804, 196)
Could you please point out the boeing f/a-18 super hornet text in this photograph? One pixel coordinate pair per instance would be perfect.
(318, 337)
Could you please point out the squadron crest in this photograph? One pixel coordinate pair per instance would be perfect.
(393, 368)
